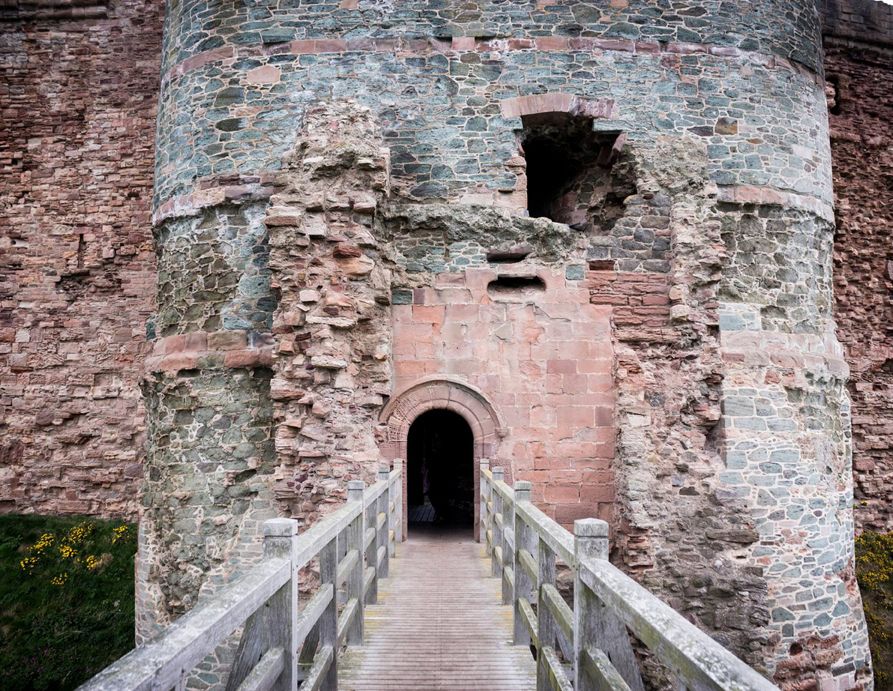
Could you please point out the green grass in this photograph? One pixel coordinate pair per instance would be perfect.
(874, 570)
(68, 611)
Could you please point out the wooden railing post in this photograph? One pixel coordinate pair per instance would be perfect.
(595, 626)
(384, 532)
(523, 583)
(496, 501)
(399, 464)
(354, 584)
(328, 620)
(271, 629)
(508, 551)
(281, 540)
(590, 542)
(483, 522)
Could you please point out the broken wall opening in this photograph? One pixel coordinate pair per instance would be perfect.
(569, 171)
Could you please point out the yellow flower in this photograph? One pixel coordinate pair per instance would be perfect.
(28, 564)
(67, 551)
(92, 562)
(60, 579)
(119, 533)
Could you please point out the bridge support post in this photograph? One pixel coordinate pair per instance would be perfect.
(280, 540)
(524, 585)
(497, 524)
(356, 535)
(384, 532)
(484, 490)
(594, 624)
(399, 499)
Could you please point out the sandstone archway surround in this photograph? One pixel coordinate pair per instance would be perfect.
(441, 393)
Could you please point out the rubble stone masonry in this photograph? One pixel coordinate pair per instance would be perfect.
(859, 63)
(78, 85)
(339, 240)
(343, 188)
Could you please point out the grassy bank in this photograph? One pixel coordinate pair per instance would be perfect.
(874, 570)
(66, 599)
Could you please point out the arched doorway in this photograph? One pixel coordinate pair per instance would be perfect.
(440, 472)
(440, 393)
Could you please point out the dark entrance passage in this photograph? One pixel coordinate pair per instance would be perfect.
(440, 471)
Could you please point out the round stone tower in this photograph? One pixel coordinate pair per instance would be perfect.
(600, 232)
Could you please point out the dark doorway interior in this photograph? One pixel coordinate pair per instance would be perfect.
(440, 471)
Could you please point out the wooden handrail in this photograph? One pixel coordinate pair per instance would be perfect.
(275, 634)
(588, 647)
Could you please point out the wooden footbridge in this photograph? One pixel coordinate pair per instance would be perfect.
(439, 611)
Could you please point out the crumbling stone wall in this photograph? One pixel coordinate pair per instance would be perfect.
(392, 146)
(859, 62)
(78, 93)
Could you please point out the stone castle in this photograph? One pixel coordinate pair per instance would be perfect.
(602, 234)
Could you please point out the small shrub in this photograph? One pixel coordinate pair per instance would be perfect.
(874, 570)
(66, 599)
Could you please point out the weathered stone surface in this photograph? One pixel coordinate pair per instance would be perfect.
(77, 268)
(330, 179)
(859, 77)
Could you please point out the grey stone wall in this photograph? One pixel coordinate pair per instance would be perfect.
(459, 142)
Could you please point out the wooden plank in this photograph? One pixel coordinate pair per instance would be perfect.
(368, 537)
(526, 560)
(561, 613)
(311, 542)
(528, 618)
(346, 566)
(382, 553)
(695, 657)
(309, 616)
(373, 493)
(504, 491)
(263, 631)
(557, 677)
(368, 579)
(346, 619)
(439, 625)
(265, 672)
(382, 519)
(557, 538)
(602, 674)
(159, 663)
(317, 674)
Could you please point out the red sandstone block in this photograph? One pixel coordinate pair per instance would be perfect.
(178, 361)
(604, 416)
(561, 367)
(575, 384)
(598, 477)
(561, 494)
(572, 418)
(227, 340)
(463, 43)
(433, 314)
(566, 514)
(248, 358)
(596, 494)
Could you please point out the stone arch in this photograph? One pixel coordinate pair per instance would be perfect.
(441, 393)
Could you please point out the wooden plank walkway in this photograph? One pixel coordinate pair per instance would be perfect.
(438, 624)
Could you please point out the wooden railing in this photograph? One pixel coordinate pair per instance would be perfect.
(588, 646)
(282, 645)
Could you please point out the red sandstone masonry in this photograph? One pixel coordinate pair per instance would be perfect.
(77, 267)
(547, 368)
